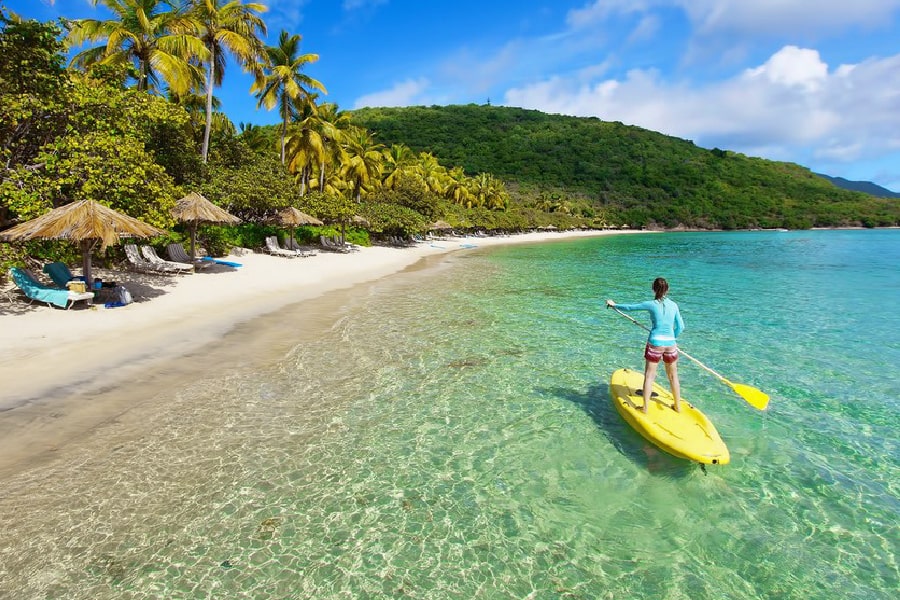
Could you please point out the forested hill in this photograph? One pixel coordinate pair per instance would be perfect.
(624, 172)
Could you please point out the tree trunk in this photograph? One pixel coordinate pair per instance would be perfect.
(283, 134)
(209, 98)
(86, 247)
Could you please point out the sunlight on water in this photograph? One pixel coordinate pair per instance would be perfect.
(452, 436)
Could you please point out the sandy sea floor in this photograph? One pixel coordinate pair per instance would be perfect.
(69, 373)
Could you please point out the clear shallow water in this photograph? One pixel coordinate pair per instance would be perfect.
(452, 437)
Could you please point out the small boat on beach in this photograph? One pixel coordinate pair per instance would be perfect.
(685, 434)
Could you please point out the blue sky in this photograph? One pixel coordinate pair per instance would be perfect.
(816, 83)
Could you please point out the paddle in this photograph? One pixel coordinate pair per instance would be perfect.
(753, 396)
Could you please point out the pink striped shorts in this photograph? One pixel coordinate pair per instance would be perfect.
(653, 355)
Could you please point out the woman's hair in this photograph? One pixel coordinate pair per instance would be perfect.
(660, 288)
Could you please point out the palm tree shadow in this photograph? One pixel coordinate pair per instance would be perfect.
(597, 403)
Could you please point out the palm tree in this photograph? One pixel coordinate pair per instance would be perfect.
(227, 28)
(490, 192)
(399, 160)
(285, 82)
(364, 160)
(457, 188)
(194, 105)
(304, 146)
(255, 137)
(332, 123)
(431, 172)
(153, 35)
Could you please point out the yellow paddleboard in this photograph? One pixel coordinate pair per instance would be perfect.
(685, 434)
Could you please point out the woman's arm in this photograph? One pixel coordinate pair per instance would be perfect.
(648, 305)
(679, 323)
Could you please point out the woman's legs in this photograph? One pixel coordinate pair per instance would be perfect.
(649, 377)
(674, 384)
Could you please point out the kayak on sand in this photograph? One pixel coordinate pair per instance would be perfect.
(686, 434)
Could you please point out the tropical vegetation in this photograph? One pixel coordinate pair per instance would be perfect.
(133, 122)
(622, 174)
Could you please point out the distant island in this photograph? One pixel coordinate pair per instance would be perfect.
(866, 187)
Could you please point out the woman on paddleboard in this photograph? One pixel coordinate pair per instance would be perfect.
(666, 326)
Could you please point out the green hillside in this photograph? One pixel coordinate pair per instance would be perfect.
(624, 174)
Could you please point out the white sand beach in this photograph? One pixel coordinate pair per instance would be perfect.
(50, 358)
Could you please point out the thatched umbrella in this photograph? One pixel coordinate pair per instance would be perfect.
(293, 217)
(195, 209)
(357, 221)
(440, 226)
(85, 222)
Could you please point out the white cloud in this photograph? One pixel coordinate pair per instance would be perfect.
(646, 29)
(477, 73)
(405, 93)
(767, 17)
(592, 72)
(756, 17)
(793, 66)
(790, 102)
(600, 10)
(284, 14)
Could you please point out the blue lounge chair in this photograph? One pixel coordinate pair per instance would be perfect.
(35, 290)
(60, 274)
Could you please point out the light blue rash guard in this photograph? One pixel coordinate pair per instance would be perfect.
(665, 319)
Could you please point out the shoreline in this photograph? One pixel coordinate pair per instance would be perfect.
(67, 372)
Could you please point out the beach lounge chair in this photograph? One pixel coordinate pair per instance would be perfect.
(332, 246)
(345, 244)
(60, 274)
(274, 249)
(177, 253)
(150, 254)
(136, 263)
(291, 244)
(35, 290)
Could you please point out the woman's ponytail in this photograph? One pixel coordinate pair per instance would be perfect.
(660, 288)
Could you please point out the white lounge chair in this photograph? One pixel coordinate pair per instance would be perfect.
(274, 249)
(305, 251)
(177, 253)
(136, 263)
(150, 254)
(333, 246)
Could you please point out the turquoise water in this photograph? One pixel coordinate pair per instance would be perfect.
(452, 436)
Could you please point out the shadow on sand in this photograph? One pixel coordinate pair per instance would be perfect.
(143, 287)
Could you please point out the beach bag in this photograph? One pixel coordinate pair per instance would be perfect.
(121, 295)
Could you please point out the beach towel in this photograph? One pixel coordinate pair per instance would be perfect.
(59, 273)
(222, 262)
(38, 291)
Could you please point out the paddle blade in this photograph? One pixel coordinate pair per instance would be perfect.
(753, 396)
